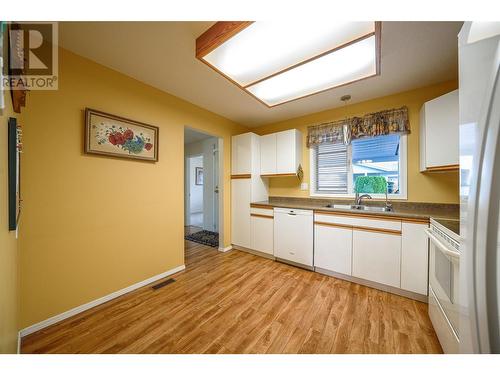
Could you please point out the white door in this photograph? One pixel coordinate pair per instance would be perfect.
(240, 212)
(268, 154)
(194, 191)
(376, 256)
(333, 248)
(293, 235)
(216, 187)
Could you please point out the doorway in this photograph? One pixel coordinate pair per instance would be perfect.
(202, 199)
(195, 192)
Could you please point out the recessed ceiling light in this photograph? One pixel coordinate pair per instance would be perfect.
(277, 62)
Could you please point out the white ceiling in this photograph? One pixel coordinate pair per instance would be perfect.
(191, 136)
(162, 54)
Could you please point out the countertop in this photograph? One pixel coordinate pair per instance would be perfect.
(410, 210)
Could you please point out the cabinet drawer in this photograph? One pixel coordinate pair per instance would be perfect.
(362, 222)
(262, 211)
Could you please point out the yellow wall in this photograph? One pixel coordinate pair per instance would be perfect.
(93, 225)
(438, 187)
(9, 275)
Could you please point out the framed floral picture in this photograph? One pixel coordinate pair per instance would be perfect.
(107, 134)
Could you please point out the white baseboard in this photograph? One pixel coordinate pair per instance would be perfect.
(55, 319)
(225, 249)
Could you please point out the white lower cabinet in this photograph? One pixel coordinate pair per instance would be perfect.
(240, 212)
(262, 232)
(333, 248)
(293, 235)
(415, 258)
(376, 256)
(391, 251)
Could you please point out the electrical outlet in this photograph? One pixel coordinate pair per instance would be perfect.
(304, 186)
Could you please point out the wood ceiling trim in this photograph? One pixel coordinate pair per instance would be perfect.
(216, 35)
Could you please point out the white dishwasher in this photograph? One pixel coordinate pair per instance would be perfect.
(293, 235)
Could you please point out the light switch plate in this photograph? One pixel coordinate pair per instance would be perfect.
(304, 186)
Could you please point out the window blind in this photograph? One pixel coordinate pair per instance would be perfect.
(332, 168)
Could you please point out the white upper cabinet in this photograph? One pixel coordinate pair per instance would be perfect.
(439, 133)
(268, 154)
(281, 153)
(241, 154)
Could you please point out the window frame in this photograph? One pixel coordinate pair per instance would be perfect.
(403, 175)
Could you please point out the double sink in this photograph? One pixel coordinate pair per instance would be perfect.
(360, 207)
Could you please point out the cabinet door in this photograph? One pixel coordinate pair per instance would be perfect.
(262, 234)
(333, 248)
(241, 154)
(441, 130)
(268, 154)
(414, 258)
(240, 212)
(376, 257)
(286, 153)
(293, 236)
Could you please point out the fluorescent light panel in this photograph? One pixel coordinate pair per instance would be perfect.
(345, 65)
(265, 48)
(278, 61)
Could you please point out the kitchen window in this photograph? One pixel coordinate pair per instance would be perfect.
(335, 166)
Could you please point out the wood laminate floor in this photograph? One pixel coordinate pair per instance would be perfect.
(236, 302)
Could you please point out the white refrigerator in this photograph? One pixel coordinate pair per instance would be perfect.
(479, 98)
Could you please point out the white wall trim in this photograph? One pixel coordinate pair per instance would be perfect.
(19, 342)
(220, 147)
(76, 310)
(225, 249)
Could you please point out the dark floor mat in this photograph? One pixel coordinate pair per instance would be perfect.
(204, 237)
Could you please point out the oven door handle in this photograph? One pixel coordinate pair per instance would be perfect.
(441, 246)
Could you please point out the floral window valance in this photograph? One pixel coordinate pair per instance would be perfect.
(370, 125)
(328, 132)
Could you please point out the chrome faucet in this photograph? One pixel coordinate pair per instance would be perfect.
(359, 198)
(388, 205)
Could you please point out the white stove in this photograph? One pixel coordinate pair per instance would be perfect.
(444, 267)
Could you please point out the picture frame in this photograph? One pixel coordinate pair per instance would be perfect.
(116, 136)
(198, 176)
(14, 172)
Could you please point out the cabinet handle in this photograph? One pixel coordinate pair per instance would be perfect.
(443, 248)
